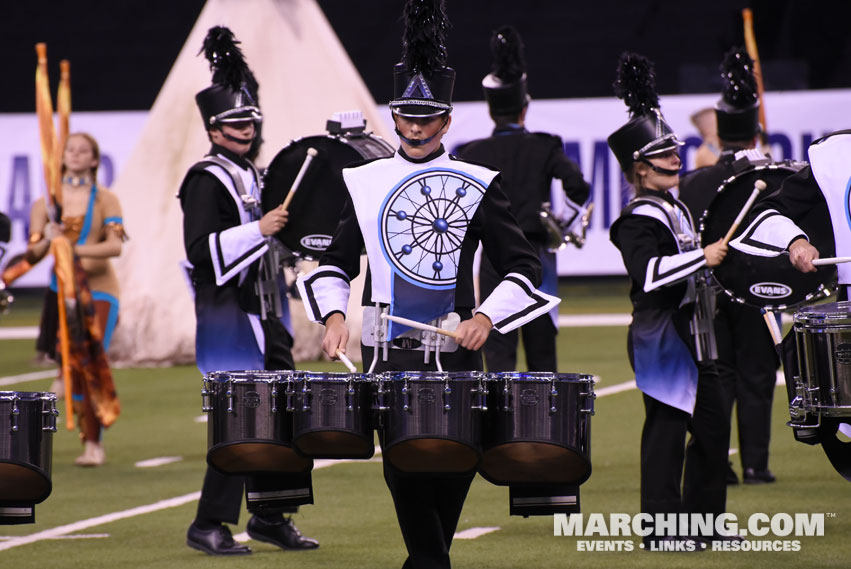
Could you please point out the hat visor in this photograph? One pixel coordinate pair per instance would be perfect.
(239, 115)
(664, 145)
(419, 110)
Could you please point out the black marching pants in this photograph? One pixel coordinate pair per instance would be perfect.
(664, 453)
(428, 506)
(221, 494)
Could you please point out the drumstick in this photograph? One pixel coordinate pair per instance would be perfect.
(346, 361)
(311, 152)
(773, 329)
(758, 186)
(831, 261)
(420, 325)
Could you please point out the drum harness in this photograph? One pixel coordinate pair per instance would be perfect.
(376, 336)
(700, 286)
(270, 263)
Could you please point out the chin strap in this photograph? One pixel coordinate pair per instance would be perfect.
(658, 170)
(420, 142)
(239, 140)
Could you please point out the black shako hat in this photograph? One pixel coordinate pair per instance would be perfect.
(422, 83)
(233, 95)
(505, 86)
(738, 109)
(646, 133)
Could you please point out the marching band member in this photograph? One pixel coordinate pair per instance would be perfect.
(747, 361)
(421, 214)
(528, 163)
(657, 241)
(225, 236)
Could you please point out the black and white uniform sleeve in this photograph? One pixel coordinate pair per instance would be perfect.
(219, 235)
(515, 301)
(650, 252)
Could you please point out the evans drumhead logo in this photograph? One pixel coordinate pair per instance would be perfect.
(770, 290)
(317, 242)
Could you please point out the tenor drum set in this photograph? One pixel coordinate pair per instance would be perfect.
(515, 428)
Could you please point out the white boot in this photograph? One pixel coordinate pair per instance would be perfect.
(93, 454)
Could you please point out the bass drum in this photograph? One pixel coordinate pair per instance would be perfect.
(765, 282)
(315, 208)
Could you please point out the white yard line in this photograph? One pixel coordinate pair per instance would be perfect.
(19, 333)
(24, 377)
(473, 533)
(159, 461)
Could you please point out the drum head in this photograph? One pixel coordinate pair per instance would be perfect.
(315, 209)
(765, 282)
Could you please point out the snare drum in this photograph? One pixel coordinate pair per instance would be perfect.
(249, 428)
(823, 336)
(431, 420)
(316, 206)
(538, 428)
(765, 282)
(332, 415)
(27, 424)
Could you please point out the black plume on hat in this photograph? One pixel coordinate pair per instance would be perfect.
(739, 83)
(636, 84)
(509, 61)
(646, 133)
(738, 110)
(227, 63)
(233, 96)
(422, 83)
(424, 40)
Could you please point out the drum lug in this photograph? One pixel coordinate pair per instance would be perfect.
(482, 392)
(51, 413)
(275, 397)
(350, 394)
(305, 394)
(592, 397)
(206, 403)
(15, 413)
(289, 393)
(506, 396)
(229, 395)
(405, 401)
(380, 398)
(447, 391)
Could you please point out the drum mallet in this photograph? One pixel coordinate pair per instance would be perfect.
(311, 152)
(346, 361)
(831, 261)
(773, 328)
(758, 186)
(420, 325)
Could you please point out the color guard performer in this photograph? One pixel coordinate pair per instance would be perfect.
(226, 240)
(528, 163)
(747, 362)
(656, 238)
(421, 214)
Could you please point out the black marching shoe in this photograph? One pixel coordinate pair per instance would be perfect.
(216, 541)
(752, 476)
(284, 534)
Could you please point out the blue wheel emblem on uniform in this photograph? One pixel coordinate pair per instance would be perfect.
(423, 223)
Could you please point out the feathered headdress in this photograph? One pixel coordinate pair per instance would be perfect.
(422, 82)
(738, 110)
(227, 63)
(646, 133)
(233, 96)
(636, 84)
(505, 86)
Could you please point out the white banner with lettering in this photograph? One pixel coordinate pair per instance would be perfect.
(794, 120)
